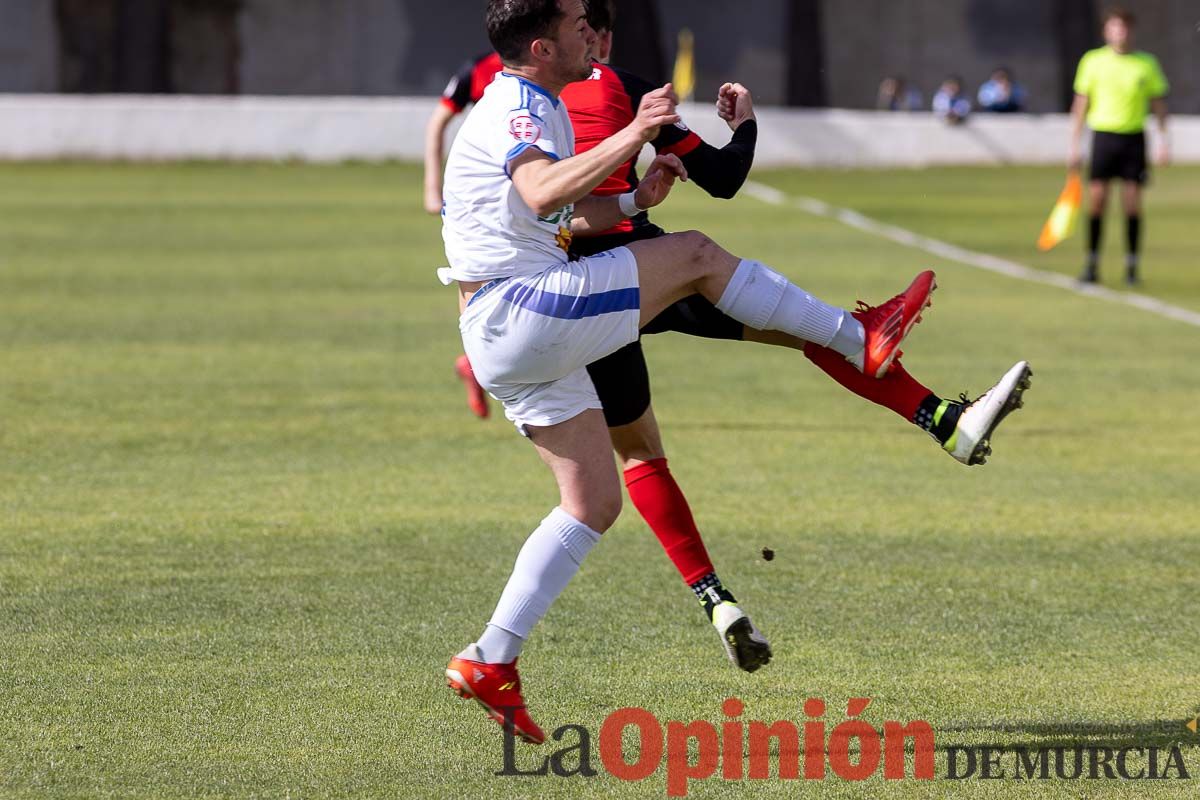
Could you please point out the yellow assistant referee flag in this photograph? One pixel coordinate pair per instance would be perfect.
(1061, 222)
(685, 66)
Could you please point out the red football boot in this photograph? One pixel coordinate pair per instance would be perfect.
(476, 396)
(885, 326)
(496, 687)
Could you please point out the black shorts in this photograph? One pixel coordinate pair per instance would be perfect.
(1119, 155)
(622, 379)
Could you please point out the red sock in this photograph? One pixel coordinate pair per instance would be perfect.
(896, 390)
(661, 503)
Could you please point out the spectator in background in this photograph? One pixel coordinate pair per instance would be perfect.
(1000, 93)
(896, 95)
(950, 104)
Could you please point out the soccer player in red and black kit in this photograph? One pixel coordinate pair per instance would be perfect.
(465, 88)
(599, 107)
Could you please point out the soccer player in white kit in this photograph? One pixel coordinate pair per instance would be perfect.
(532, 320)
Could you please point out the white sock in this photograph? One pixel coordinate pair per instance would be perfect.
(760, 297)
(548, 560)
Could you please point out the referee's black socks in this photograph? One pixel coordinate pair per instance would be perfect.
(1133, 235)
(1095, 229)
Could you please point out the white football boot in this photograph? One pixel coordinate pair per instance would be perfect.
(745, 645)
(971, 442)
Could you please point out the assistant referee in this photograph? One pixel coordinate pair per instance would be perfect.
(1116, 87)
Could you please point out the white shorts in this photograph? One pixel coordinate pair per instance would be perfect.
(531, 338)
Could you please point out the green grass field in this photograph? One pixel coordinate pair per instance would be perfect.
(245, 518)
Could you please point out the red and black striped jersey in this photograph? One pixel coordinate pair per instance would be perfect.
(467, 85)
(607, 102)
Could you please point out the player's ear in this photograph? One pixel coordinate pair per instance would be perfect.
(540, 49)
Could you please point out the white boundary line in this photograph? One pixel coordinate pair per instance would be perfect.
(769, 194)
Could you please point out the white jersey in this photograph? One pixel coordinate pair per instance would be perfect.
(488, 229)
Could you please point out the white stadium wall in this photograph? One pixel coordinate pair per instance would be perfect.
(160, 127)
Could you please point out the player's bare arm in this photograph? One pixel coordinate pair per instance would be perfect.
(1162, 154)
(1079, 108)
(435, 137)
(547, 185)
(595, 214)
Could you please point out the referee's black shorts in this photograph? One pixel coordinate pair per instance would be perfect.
(1119, 155)
(622, 379)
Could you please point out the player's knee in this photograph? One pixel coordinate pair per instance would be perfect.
(637, 441)
(600, 511)
(700, 254)
(631, 455)
(699, 246)
(638, 445)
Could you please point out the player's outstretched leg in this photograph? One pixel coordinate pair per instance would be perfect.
(677, 265)
(476, 396)
(963, 428)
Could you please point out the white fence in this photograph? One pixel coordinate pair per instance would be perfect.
(340, 128)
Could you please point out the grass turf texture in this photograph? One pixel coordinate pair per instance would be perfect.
(247, 518)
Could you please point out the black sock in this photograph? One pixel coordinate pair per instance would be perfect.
(1133, 235)
(938, 416)
(1095, 229)
(926, 412)
(711, 593)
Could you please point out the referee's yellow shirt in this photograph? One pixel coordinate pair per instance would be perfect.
(1119, 88)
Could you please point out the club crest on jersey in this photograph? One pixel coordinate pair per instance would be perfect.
(524, 128)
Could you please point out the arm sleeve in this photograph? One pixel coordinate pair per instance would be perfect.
(1083, 77)
(676, 138)
(722, 172)
(457, 94)
(1158, 81)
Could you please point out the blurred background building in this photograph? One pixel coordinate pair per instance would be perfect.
(791, 52)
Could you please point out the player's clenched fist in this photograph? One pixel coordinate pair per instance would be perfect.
(656, 184)
(735, 104)
(656, 109)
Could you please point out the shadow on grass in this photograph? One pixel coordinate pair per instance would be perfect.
(767, 426)
(1150, 733)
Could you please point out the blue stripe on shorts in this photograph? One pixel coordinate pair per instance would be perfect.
(567, 306)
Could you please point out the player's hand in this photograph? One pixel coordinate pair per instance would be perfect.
(433, 199)
(656, 109)
(1162, 153)
(656, 184)
(735, 104)
(1074, 159)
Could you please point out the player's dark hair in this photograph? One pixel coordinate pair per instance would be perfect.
(1123, 14)
(513, 25)
(601, 14)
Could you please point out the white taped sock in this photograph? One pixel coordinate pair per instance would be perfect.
(760, 297)
(548, 560)
(850, 339)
